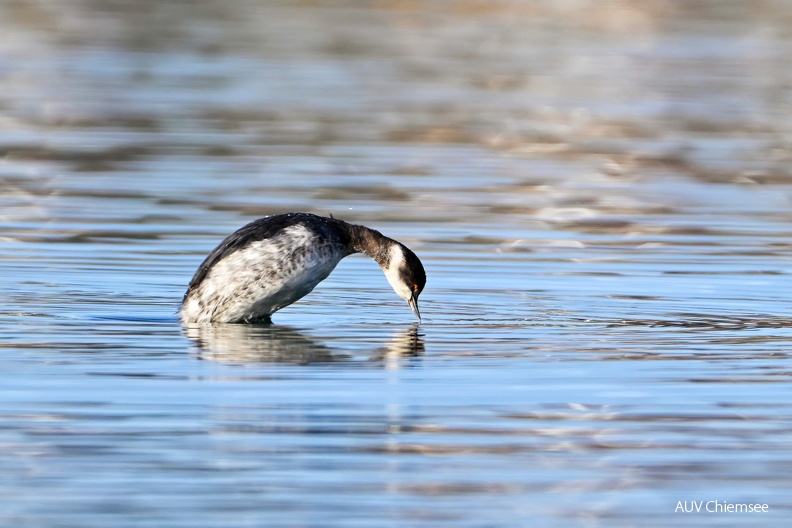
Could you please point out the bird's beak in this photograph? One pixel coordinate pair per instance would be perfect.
(413, 302)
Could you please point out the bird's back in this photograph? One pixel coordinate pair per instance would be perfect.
(264, 266)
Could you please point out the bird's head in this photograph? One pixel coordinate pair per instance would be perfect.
(406, 275)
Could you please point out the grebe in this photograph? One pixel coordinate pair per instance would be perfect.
(274, 261)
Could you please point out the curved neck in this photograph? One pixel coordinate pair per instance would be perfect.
(370, 242)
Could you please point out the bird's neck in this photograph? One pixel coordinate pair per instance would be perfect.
(371, 243)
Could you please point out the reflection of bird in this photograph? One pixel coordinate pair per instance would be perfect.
(249, 343)
(276, 260)
(407, 344)
(281, 344)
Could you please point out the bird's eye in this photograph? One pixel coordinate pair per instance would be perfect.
(415, 287)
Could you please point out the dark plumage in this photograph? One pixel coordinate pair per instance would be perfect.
(274, 261)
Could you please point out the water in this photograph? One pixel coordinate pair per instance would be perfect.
(600, 194)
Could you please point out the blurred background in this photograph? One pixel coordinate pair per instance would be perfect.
(600, 192)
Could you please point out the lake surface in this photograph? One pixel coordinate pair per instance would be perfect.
(601, 195)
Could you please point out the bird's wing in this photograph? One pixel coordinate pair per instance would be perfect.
(260, 229)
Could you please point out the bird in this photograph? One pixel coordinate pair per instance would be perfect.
(276, 260)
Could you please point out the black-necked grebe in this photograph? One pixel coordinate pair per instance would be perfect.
(277, 260)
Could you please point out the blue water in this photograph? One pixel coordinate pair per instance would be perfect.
(600, 196)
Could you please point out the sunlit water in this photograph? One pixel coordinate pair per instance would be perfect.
(601, 196)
